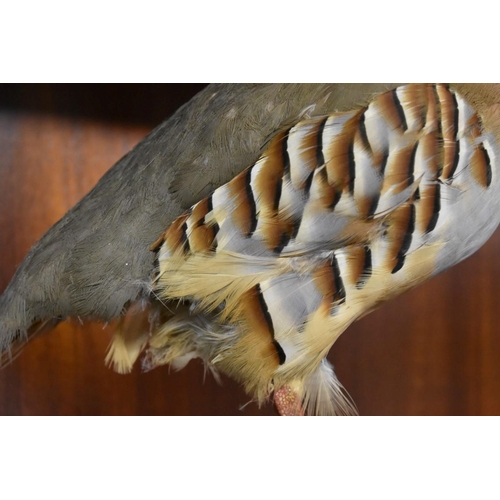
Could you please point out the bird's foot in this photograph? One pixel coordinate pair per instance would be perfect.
(288, 402)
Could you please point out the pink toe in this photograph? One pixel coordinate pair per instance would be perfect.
(287, 402)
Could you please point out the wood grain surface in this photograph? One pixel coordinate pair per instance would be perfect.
(432, 351)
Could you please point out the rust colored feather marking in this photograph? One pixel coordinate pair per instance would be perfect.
(197, 217)
(335, 200)
(328, 195)
(339, 156)
(285, 239)
(268, 180)
(304, 153)
(327, 285)
(310, 151)
(175, 237)
(400, 111)
(355, 264)
(201, 239)
(256, 316)
(324, 281)
(363, 135)
(432, 118)
(201, 236)
(254, 358)
(367, 268)
(154, 247)
(429, 151)
(391, 110)
(414, 98)
(440, 155)
(428, 207)
(449, 114)
(399, 170)
(481, 166)
(439, 111)
(411, 165)
(267, 186)
(474, 127)
(244, 213)
(400, 233)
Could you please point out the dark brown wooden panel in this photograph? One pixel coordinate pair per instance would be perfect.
(432, 351)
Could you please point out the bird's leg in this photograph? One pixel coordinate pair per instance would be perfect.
(288, 402)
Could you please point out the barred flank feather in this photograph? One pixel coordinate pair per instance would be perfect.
(339, 214)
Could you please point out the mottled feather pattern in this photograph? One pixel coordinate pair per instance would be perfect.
(339, 214)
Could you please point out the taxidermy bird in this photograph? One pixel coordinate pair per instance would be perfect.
(260, 221)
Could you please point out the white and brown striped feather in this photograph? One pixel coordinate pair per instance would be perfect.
(338, 215)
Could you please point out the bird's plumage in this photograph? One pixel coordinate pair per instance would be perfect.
(338, 215)
(335, 212)
(96, 261)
